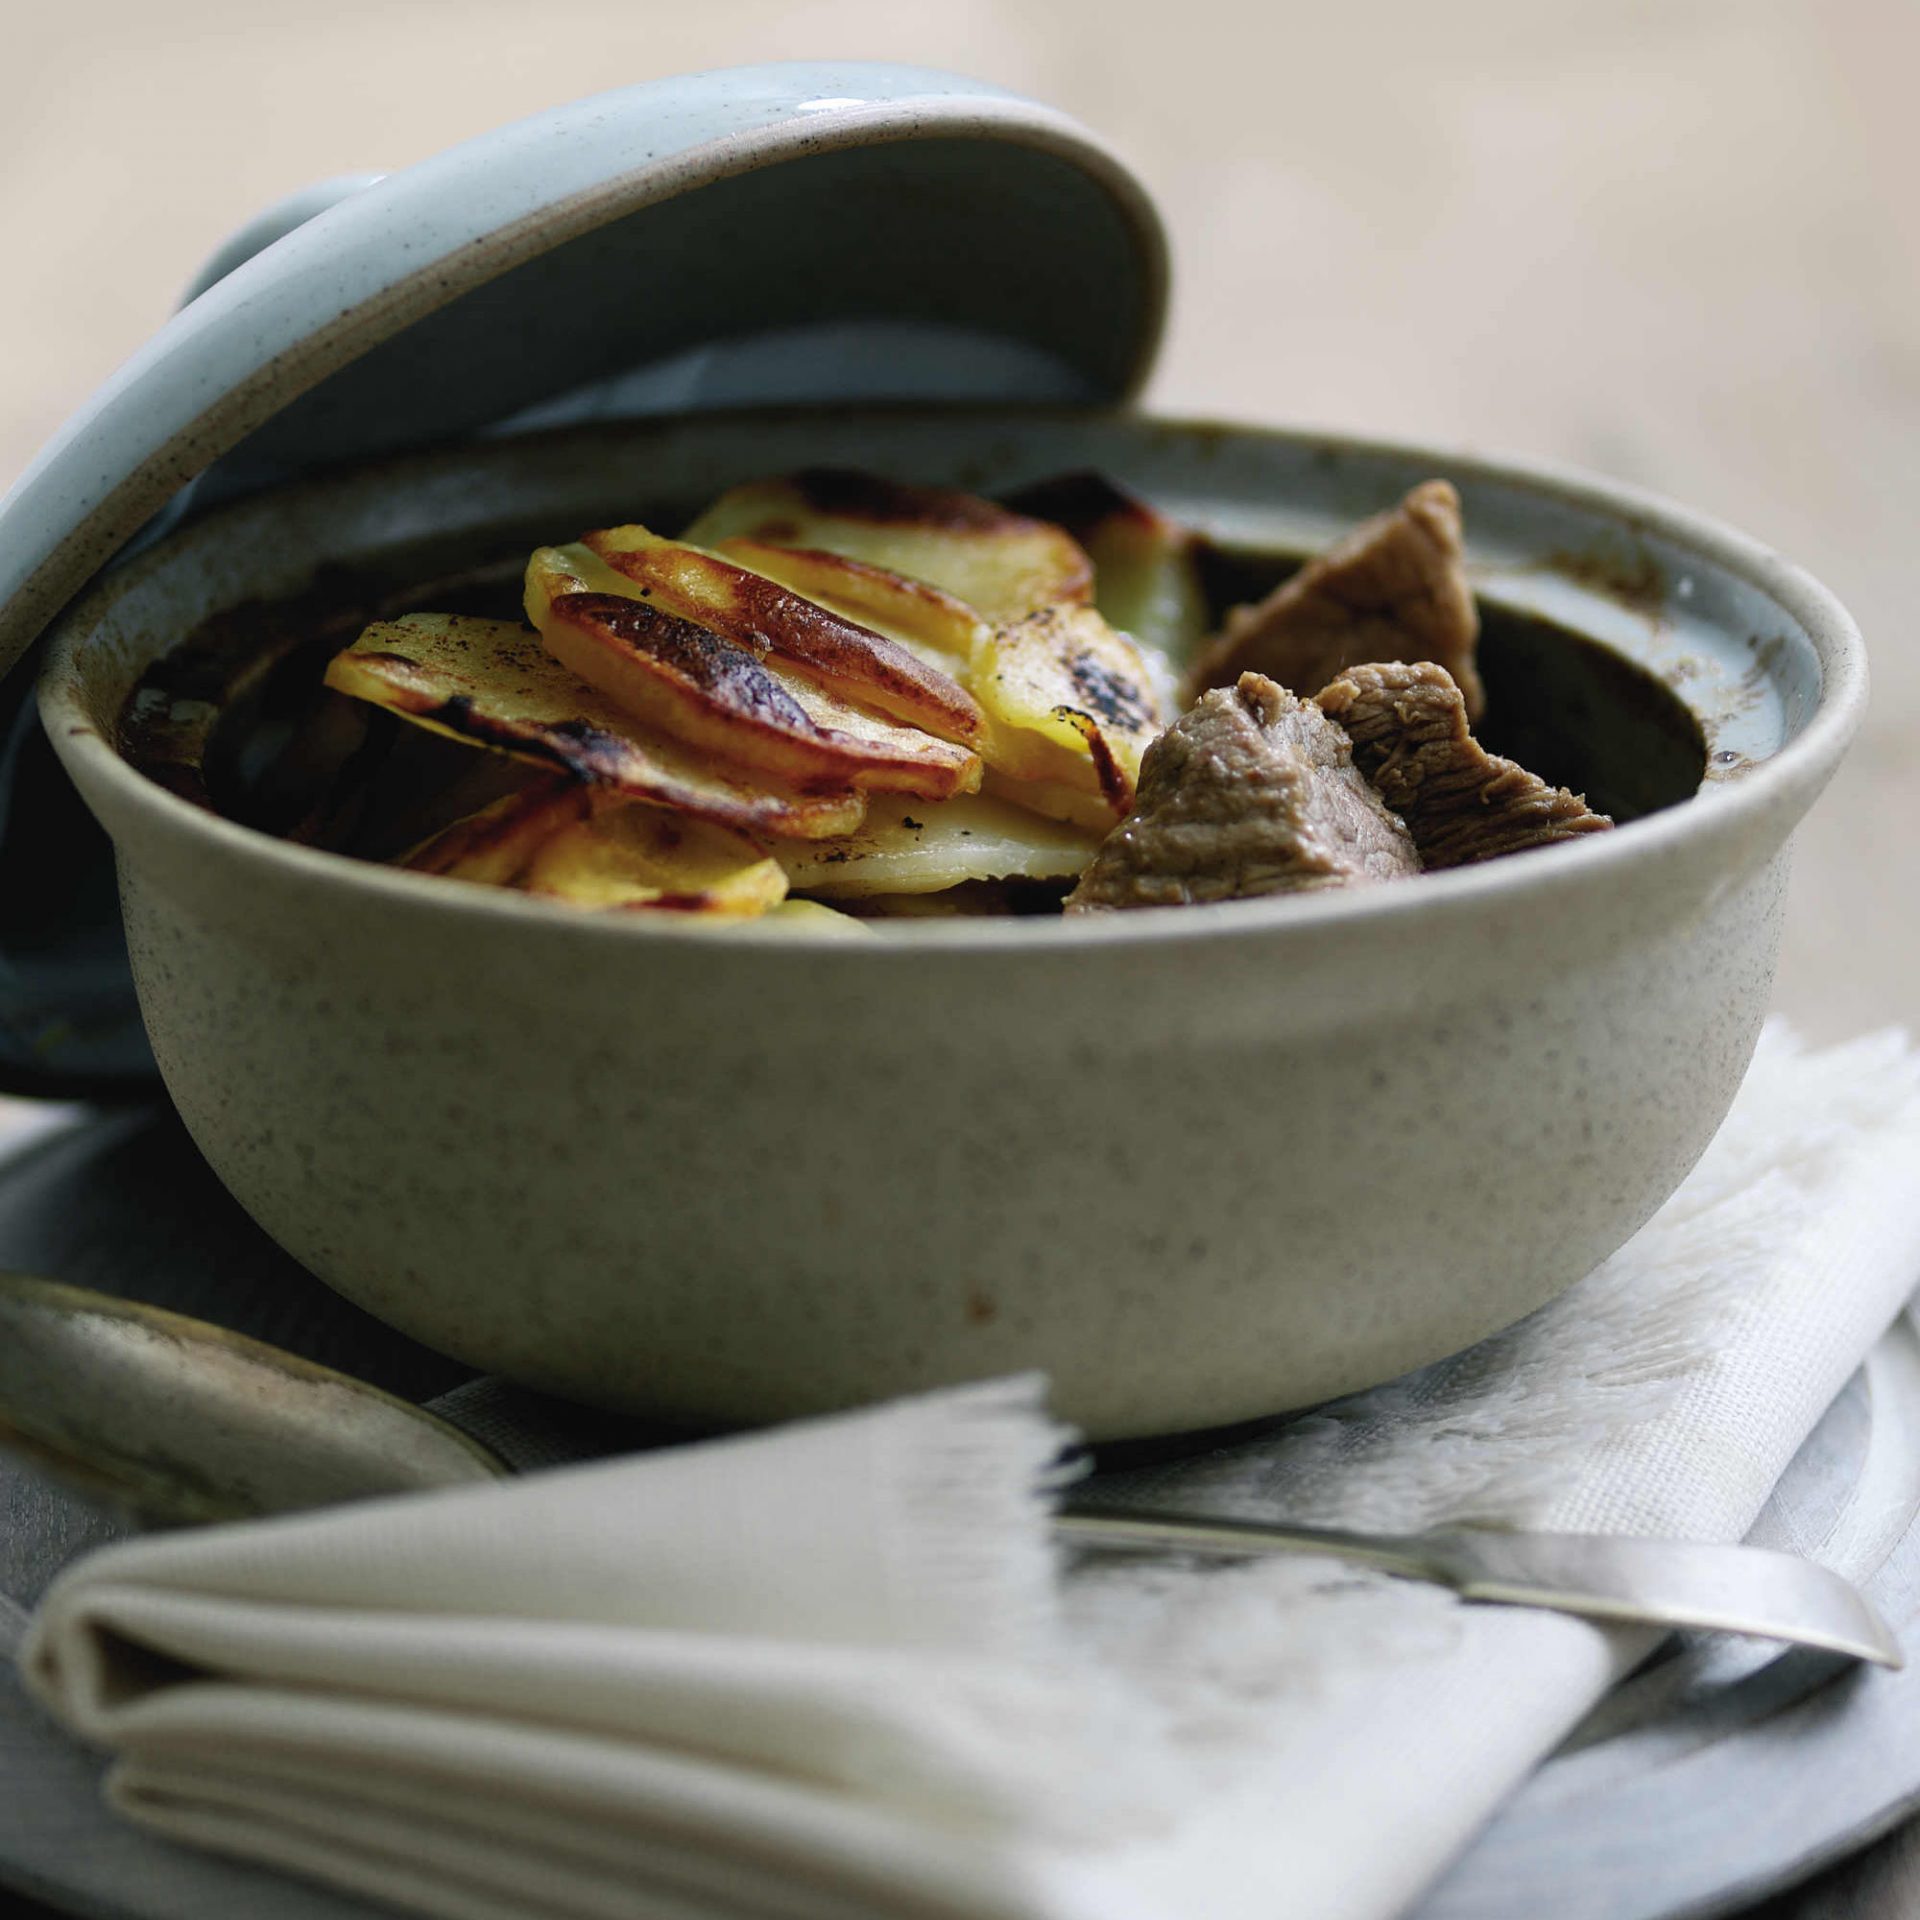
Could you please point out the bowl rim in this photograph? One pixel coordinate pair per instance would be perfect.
(1785, 783)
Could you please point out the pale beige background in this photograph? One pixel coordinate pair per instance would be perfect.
(1674, 240)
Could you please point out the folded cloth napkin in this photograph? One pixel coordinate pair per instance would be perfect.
(835, 1670)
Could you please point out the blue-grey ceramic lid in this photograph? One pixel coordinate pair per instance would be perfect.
(790, 233)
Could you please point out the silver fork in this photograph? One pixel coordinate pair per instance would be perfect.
(1665, 1583)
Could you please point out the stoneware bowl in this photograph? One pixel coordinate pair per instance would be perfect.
(1197, 1164)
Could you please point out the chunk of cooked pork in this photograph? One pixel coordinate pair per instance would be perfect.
(1395, 588)
(1250, 792)
(1408, 725)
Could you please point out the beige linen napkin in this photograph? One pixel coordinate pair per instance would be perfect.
(833, 1671)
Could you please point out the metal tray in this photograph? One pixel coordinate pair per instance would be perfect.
(1712, 1777)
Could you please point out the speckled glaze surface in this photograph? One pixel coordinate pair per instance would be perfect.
(1197, 1164)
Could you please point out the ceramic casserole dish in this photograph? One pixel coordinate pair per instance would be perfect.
(1196, 1164)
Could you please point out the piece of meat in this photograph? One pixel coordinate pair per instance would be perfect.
(1408, 725)
(1250, 792)
(1394, 589)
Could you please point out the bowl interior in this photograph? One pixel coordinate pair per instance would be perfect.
(1561, 704)
(1631, 652)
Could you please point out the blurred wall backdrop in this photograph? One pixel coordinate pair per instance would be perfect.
(1677, 241)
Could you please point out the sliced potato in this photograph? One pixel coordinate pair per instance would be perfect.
(492, 684)
(496, 845)
(926, 849)
(815, 916)
(896, 758)
(677, 677)
(701, 687)
(1001, 564)
(1071, 706)
(624, 855)
(1055, 800)
(563, 841)
(751, 607)
(1145, 578)
(919, 617)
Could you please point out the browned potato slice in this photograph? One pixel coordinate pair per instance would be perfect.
(753, 609)
(903, 758)
(913, 848)
(1145, 580)
(1071, 706)
(1001, 564)
(910, 611)
(699, 686)
(563, 841)
(626, 856)
(494, 846)
(492, 684)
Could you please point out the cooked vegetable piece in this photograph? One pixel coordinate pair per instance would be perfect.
(815, 916)
(684, 678)
(928, 622)
(1003, 565)
(1071, 706)
(915, 848)
(625, 855)
(496, 845)
(1462, 804)
(491, 683)
(774, 622)
(1068, 804)
(563, 840)
(1395, 588)
(1145, 581)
